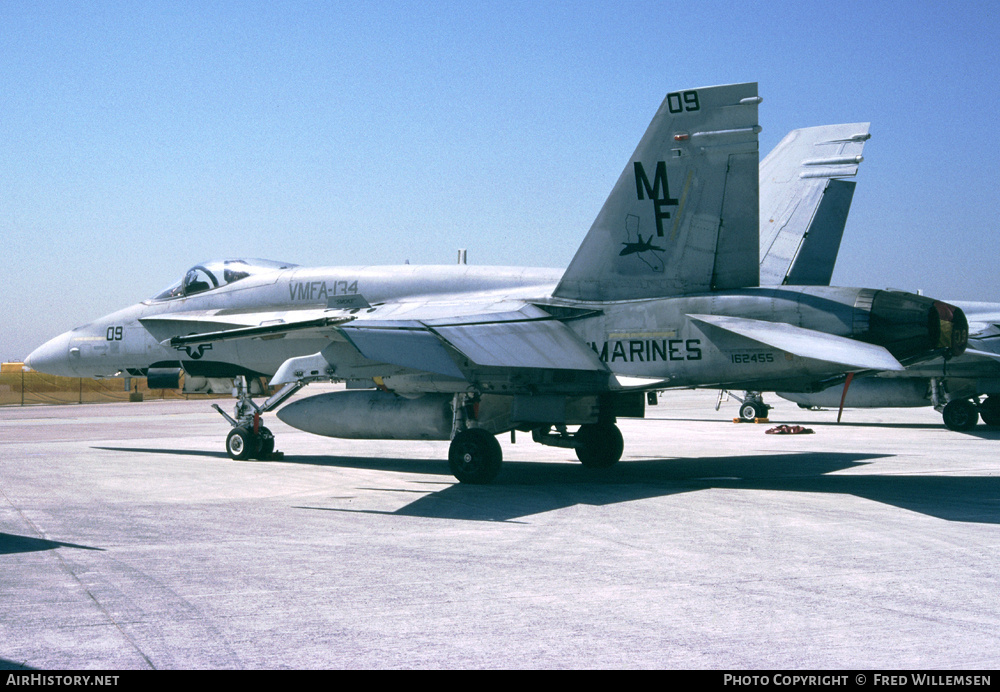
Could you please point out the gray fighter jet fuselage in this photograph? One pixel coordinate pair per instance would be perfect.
(673, 342)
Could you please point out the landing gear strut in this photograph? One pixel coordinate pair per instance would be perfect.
(249, 439)
(474, 455)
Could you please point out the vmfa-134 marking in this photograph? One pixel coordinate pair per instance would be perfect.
(663, 292)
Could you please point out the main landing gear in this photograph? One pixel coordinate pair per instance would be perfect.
(475, 455)
(249, 439)
(989, 411)
(599, 445)
(962, 415)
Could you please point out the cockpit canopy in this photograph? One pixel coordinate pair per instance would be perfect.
(210, 275)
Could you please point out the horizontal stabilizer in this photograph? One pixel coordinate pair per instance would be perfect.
(807, 343)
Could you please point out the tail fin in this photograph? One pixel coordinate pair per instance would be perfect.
(691, 186)
(804, 205)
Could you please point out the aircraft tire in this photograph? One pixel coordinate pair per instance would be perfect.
(990, 411)
(960, 415)
(475, 456)
(600, 445)
(241, 444)
(753, 410)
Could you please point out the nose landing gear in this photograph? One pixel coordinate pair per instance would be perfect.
(752, 404)
(249, 439)
(243, 444)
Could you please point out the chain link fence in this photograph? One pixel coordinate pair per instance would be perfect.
(20, 388)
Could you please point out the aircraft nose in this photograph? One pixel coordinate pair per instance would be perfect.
(53, 357)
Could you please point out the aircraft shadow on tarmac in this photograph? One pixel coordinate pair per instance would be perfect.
(526, 488)
(11, 543)
(6, 664)
(175, 452)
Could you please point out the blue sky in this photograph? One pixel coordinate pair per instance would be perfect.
(139, 138)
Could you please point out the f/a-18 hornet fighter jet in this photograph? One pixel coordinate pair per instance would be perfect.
(463, 353)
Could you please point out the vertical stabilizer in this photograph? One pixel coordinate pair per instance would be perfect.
(682, 217)
(814, 262)
(804, 202)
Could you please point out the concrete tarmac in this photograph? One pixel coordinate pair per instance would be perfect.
(128, 539)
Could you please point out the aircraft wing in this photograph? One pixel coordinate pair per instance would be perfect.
(804, 203)
(807, 343)
(208, 326)
(508, 334)
(528, 338)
